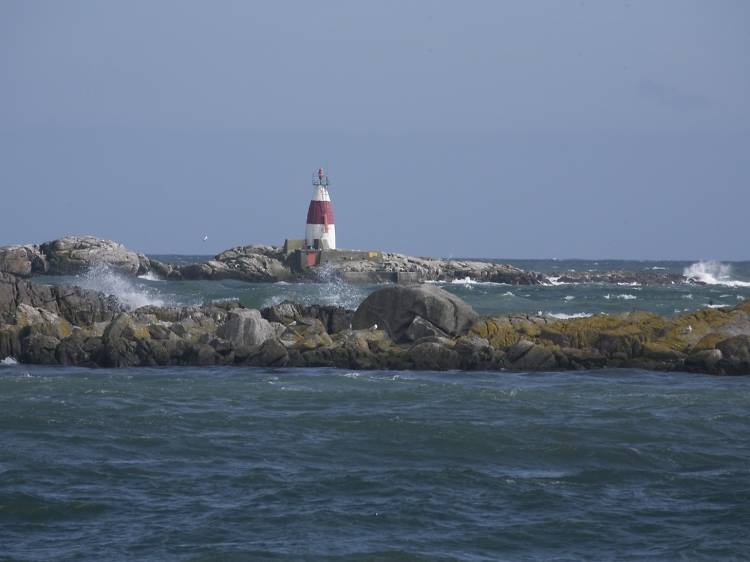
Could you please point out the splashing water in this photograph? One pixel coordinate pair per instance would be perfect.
(329, 290)
(564, 316)
(100, 277)
(713, 273)
(150, 276)
(8, 362)
(336, 292)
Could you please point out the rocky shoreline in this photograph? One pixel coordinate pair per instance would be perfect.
(396, 327)
(75, 254)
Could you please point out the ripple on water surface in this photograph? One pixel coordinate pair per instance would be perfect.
(327, 464)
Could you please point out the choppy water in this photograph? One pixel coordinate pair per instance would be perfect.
(253, 464)
(726, 285)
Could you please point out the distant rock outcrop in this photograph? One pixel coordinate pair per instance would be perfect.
(74, 254)
(256, 263)
(243, 263)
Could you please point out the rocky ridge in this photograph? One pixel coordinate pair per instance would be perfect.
(401, 327)
(256, 263)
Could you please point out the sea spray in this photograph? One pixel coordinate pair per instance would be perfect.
(713, 273)
(329, 290)
(100, 277)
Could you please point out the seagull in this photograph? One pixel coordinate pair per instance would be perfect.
(293, 323)
(374, 327)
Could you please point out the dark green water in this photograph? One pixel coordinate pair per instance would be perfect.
(244, 464)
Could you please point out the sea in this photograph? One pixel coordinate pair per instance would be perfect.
(235, 463)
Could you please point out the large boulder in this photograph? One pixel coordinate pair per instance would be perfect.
(334, 318)
(74, 254)
(77, 306)
(22, 260)
(246, 328)
(394, 309)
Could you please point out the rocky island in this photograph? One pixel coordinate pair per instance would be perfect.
(396, 327)
(258, 263)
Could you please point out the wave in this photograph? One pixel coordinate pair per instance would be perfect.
(564, 316)
(100, 277)
(8, 362)
(713, 273)
(150, 276)
(469, 281)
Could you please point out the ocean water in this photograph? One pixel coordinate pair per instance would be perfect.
(725, 284)
(256, 464)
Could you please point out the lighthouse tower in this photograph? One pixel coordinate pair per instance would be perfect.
(320, 231)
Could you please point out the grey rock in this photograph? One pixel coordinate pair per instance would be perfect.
(22, 260)
(421, 328)
(735, 352)
(394, 309)
(514, 352)
(78, 306)
(40, 349)
(119, 343)
(74, 254)
(433, 356)
(246, 327)
(705, 360)
(536, 358)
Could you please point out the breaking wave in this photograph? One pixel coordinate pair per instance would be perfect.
(329, 290)
(8, 362)
(563, 316)
(100, 277)
(713, 273)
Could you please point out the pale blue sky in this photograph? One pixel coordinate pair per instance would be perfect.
(500, 129)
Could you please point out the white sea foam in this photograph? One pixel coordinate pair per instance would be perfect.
(563, 316)
(717, 305)
(556, 281)
(150, 276)
(331, 290)
(689, 296)
(569, 297)
(8, 362)
(626, 297)
(713, 273)
(656, 267)
(469, 281)
(102, 278)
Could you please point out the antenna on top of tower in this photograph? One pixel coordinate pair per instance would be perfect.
(320, 178)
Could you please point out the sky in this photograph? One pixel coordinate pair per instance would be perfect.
(517, 129)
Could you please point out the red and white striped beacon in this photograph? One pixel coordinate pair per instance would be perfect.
(320, 223)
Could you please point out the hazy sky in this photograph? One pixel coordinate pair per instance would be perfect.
(502, 129)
